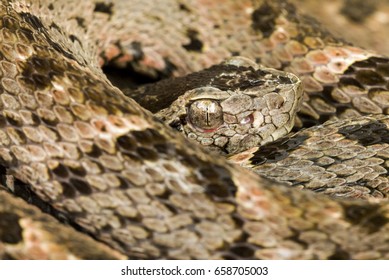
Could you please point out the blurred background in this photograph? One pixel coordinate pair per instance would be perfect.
(365, 23)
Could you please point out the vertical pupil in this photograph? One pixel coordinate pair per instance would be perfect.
(210, 109)
(205, 114)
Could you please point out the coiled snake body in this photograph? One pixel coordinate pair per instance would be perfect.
(120, 175)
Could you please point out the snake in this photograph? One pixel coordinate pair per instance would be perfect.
(122, 182)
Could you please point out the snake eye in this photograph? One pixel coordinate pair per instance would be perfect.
(206, 115)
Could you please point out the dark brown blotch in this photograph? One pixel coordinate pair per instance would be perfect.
(144, 137)
(209, 174)
(137, 50)
(188, 160)
(67, 190)
(278, 150)
(158, 137)
(217, 190)
(19, 135)
(13, 120)
(35, 119)
(79, 170)
(340, 254)
(183, 8)
(132, 156)
(61, 171)
(105, 8)
(220, 184)
(347, 81)
(147, 154)
(41, 81)
(124, 184)
(50, 120)
(94, 152)
(165, 148)
(36, 23)
(81, 186)
(74, 38)
(40, 64)
(370, 78)
(243, 251)
(367, 63)
(80, 21)
(26, 82)
(10, 229)
(264, 19)
(358, 10)
(367, 134)
(383, 69)
(127, 143)
(368, 217)
(195, 44)
(3, 121)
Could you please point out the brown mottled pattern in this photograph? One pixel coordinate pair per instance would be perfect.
(27, 233)
(346, 158)
(340, 81)
(229, 107)
(131, 182)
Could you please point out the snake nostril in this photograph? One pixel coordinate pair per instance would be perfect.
(248, 119)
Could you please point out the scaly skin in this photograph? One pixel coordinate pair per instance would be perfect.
(344, 158)
(230, 107)
(107, 165)
(26, 233)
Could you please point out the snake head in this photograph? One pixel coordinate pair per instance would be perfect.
(239, 109)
